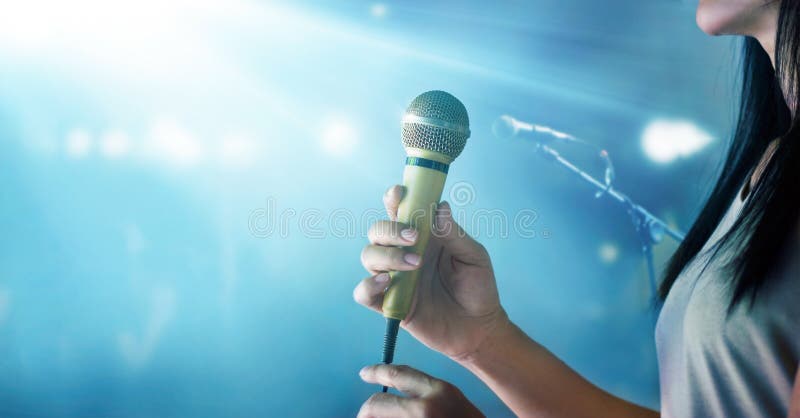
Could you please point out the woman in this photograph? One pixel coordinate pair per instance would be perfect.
(728, 337)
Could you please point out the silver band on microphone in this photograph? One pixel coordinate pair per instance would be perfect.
(437, 123)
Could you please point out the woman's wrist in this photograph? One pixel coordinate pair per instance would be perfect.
(502, 334)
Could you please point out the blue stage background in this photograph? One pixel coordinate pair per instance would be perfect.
(162, 164)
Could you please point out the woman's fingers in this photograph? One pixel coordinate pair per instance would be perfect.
(391, 200)
(391, 233)
(376, 258)
(369, 291)
(383, 405)
(428, 397)
(410, 381)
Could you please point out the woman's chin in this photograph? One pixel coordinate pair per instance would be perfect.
(726, 17)
(709, 21)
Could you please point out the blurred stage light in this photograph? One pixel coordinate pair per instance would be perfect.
(78, 143)
(22, 25)
(172, 143)
(338, 137)
(115, 144)
(608, 253)
(106, 37)
(666, 140)
(378, 10)
(35, 24)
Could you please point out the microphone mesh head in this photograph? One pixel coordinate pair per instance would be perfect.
(436, 121)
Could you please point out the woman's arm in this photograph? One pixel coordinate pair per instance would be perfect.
(457, 312)
(535, 383)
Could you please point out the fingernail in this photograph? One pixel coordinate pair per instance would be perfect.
(411, 258)
(382, 278)
(409, 234)
(363, 371)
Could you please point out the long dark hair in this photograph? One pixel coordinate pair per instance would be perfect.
(769, 218)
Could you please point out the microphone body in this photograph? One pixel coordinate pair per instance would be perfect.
(423, 177)
(435, 129)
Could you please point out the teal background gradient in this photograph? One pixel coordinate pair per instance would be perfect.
(185, 188)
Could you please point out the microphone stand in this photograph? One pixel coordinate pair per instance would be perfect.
(649, 228)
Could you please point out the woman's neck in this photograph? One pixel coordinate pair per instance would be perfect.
(765, 29)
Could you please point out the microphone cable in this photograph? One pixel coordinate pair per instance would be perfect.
(389, 341)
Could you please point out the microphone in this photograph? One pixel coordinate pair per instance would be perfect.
(435, 129)
(508, 127)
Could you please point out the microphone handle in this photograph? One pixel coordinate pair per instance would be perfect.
(424, 177)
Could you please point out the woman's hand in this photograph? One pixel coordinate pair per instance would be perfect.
(428, 397)
(456, 306)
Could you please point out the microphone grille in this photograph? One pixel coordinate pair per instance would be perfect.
(436, 121)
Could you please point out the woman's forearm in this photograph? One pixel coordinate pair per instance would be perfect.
(535, 383)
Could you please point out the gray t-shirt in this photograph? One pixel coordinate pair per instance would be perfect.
(740, 366)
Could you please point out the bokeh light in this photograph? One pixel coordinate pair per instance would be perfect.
(339, 137)
(666, 140)
(78, 143)
(115, 144)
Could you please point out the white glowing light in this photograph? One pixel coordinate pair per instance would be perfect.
(238, 151)
(23, 26)
(378, 10)
(339, 138)
(666, 140)
(107, 37)
(115, 144)
(78, 143)
(172, 143)
(608, 253)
